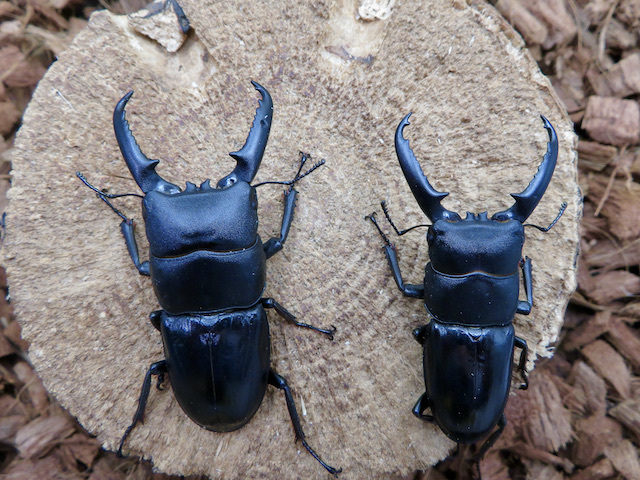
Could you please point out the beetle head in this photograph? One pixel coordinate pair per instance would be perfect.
(248, 158)
(429, 199)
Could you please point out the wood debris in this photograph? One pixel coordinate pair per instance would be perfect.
(612, 120)
(580, 419)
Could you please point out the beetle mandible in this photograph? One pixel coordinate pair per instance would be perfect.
(207, 265)
(471, 292)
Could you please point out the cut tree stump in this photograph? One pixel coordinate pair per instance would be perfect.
(340, 87)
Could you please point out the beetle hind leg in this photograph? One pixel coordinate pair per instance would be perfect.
(488, 443)
(522, 364)
(421, 405)
(159, 369)
(281, 384)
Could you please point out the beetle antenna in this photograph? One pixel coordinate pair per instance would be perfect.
(299, 176)
(383, 204)
(104, 196)
(372, 217)
(563, 207)
(303, 159)
(102, 193)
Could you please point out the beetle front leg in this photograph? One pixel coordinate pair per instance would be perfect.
(274, 245)
(409, 290)
(126, 227)
(290, 317)
(281, 384)
(158, 368)
(522, 364)
(524, 306)
(155, 318)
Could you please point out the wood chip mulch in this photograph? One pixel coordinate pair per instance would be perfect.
(580, 417)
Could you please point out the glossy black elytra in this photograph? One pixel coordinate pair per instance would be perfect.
(207, 265)
(470, 289)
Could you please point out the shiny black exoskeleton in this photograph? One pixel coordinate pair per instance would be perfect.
(471, 288)
(207, 265)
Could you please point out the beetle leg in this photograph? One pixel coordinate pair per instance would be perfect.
(524, 306)
(126, 227)
(154, 318)
(522, 364)
(290, 317)
(421, 334)
(488, 443)
(409, 290)
(281, 384)
(421, 405)
(274, 245)
(158, 368)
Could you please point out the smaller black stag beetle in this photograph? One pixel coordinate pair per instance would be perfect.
(208, 269)
(470, 290)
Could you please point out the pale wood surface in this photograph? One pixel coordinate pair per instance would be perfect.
(340, 86)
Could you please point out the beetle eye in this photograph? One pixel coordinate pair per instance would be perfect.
(227, 181)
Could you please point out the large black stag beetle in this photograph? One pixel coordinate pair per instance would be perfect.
(208, 269)
(471, 287)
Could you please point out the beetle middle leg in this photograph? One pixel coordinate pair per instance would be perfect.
(421, 405)
(290, 317)
(281, 384)
(159, 369)
(421, 334)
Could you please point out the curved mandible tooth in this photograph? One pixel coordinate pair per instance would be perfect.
(427, 197)
(250, 155)
(528, 199)
(142, 169)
